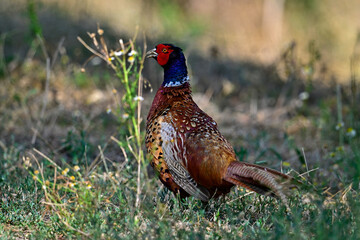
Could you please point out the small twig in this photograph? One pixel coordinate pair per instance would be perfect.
(54, 58)
(46, 157)
(72, 228)
(301, 175)
(307, 169)
(130, 147)
(96, 161)
(91, 50)
(102, 157)
(42, 45)
(54, 204)
(246, 194)
(35, 131)
(105, 165)
(95, 42)
(104, 46)
(307, 172)
(121, 147)
(38, 164)
(122, 45)
(140, 154)
(55, 178)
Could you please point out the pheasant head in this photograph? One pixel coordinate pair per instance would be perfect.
(173, 61)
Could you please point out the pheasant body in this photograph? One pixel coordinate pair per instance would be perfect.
(178, 129)
(187, 150)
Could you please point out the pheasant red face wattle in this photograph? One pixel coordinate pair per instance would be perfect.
(163, 52)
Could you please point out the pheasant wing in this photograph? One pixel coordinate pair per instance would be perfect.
(173, 149)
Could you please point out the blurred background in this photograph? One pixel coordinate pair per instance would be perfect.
(244, 30)
(262, 69)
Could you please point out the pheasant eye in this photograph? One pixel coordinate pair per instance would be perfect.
(164, 50)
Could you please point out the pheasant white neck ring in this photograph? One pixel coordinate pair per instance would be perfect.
(177, 83)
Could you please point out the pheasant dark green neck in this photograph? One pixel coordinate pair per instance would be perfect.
(175, 72)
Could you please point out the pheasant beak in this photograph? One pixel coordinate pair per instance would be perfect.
(152, 53)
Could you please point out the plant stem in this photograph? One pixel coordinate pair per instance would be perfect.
(339, 114)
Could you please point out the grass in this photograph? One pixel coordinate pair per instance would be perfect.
(107, 209)
(78, 187)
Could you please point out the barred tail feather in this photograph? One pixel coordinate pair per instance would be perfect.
(258, 179)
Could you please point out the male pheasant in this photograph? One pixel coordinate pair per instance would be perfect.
(188, 152)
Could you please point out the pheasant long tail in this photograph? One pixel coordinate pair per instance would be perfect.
(258, 179)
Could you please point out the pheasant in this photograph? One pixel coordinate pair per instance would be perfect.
(187, 150)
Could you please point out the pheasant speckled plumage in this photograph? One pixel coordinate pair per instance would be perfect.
(187, 150)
